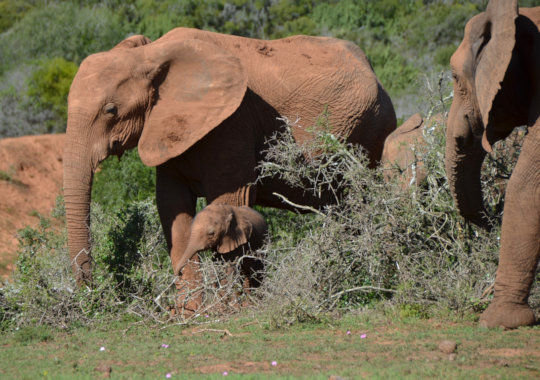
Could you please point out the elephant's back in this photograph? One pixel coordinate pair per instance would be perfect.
(302, 76)
(532, 13)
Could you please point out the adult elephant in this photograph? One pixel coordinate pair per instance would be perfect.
(200, 106)
(496, 88)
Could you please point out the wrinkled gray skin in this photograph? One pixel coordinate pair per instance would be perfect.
(496, 73)
(230, 231)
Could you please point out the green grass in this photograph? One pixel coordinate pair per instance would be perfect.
(392, 348)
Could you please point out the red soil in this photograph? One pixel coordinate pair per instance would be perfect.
(30, 181)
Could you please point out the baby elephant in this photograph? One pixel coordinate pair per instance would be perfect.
(230, 231)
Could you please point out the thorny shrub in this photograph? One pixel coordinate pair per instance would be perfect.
(131, 273)
(378, 241)
(374, 241)
(128, 271)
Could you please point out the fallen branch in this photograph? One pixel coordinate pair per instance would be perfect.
(225, 331)
(488, 291)
(363, 289)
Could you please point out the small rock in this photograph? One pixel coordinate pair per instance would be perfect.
(447, 346)
(452, 357)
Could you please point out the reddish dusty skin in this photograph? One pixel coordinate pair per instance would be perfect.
(402, 150)
(497, 88)
(200, 106)
(229, 231)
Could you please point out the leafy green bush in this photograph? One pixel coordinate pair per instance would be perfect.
(131, 272)
(401, 38)
(11, 11)
(379, 241)
(49, 87)
(119, 183)
(129, 249)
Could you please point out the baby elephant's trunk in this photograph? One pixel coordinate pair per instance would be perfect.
(188, 254)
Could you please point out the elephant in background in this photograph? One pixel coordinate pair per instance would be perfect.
(496, 72)
(200, 107)
(230, 231)
(400, 154)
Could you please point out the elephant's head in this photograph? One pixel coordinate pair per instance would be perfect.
(162, 96)
(222, 228)
(493, 85)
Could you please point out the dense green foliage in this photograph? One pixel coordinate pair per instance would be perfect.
(61, 30)
(122, 182)
(12, 11)
(404, 40)
(49, 86)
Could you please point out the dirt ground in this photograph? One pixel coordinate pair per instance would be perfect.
(30, 181)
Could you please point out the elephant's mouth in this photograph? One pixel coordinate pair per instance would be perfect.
(116, 149)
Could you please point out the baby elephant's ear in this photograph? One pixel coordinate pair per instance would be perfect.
(197, 86)
(237, 233)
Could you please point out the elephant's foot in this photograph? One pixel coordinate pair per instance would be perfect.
(507, 314)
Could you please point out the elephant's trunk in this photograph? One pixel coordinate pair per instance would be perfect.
(464, 158)
(78, 175)
(191, 250)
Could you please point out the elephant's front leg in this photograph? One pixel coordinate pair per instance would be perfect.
(520, 241)
(176, 206)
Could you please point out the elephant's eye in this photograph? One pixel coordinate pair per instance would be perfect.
(110, 108)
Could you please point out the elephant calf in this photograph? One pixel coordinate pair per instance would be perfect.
(230, 231)
(403, 152)
(399, 153)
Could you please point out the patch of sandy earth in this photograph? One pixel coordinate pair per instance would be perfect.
(510, 352)
(235, 367)
(30, 181)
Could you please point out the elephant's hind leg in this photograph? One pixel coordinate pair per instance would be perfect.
(520, 242)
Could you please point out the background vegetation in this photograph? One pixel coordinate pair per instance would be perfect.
(405, 40)
(378, 244)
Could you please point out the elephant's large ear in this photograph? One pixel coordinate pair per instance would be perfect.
(498, 40)
(132, 42)
(238, 232)
(198, 86)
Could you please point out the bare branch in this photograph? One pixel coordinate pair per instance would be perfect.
(363, 289)
(307, 208)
